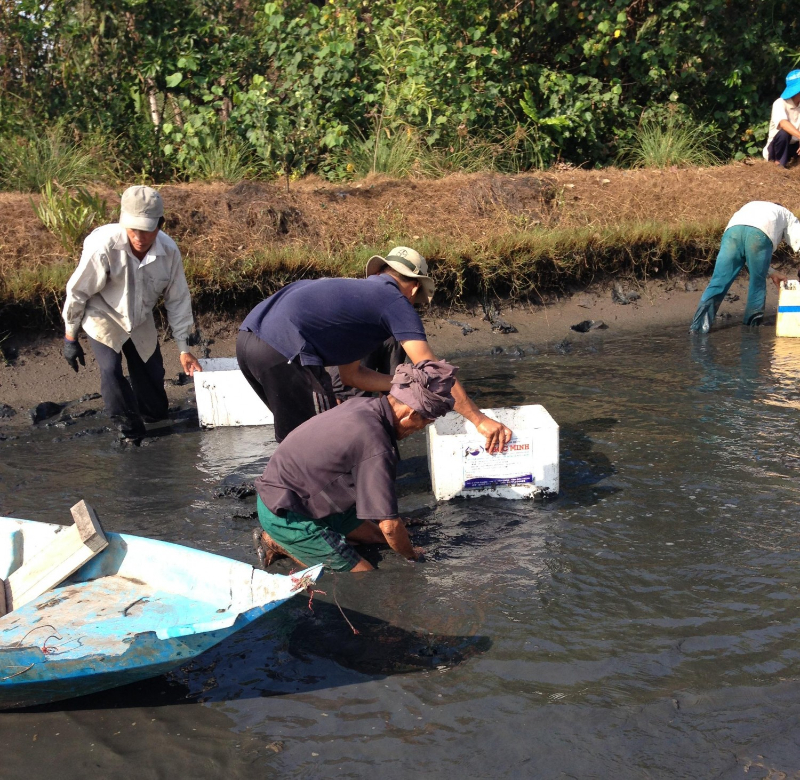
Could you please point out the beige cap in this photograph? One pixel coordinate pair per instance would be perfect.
(141, 208)
(407, 262)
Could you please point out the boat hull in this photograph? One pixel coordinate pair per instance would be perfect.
(137, 610)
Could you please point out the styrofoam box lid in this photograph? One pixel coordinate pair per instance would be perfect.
(219, 364)
(521, 418)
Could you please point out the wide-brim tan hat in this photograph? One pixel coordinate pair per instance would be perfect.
(141, 208)
(407, 262)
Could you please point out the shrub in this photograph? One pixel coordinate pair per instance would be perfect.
(672, 141)
(222, 159)
(69, 217)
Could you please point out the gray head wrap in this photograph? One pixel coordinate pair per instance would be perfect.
(425, 387)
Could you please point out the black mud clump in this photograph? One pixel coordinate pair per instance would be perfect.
(240, 492)
(465, 328)
(7, 411)
(44, 411)
(180, 380)
(586, 325)
(492, 315)
(9, 352)
(623, 297)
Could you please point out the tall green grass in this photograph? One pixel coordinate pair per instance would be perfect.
(70, 217)
(27, 164)
(402, 153)
(672, 141)
(393, 154)
(226, 159)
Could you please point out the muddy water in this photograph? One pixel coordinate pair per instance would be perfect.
(645, 624)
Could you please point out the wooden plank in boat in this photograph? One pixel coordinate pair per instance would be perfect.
(68, 551)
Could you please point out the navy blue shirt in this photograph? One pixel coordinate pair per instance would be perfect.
(333, 322)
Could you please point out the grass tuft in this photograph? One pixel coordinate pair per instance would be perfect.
(226, 159)
(393, 154)
(70, 217)
(675, 141)
(29, 164)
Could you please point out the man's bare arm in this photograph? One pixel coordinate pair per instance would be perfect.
(355, 375)
(786, 125)
(398, 539)
(497, 435)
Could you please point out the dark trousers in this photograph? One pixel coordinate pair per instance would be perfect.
(782, 148)
(144, 395)
(292, 392)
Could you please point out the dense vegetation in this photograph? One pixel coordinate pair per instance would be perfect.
(198, 89)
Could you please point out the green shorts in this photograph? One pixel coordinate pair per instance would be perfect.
(313, 541)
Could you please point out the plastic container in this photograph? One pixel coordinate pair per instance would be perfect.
(528, 468)
(225, 398)
(788, 319)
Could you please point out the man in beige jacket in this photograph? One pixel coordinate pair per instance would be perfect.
(123, 271)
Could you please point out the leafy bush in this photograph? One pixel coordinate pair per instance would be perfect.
(674, 141)
(298, 81)
(70, 217)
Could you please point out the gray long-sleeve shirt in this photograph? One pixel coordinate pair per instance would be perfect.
(112, 294)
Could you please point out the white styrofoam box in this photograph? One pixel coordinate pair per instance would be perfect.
(528, 467)
(787, 322)
(225, 398)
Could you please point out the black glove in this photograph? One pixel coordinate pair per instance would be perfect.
(73, 352)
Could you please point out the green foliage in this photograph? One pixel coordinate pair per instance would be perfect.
(70, 217)
(28, 163)
(297, 81)
(674, 141)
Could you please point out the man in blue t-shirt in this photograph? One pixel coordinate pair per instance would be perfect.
(287, 340)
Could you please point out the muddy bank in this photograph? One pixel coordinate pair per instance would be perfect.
(36, 371)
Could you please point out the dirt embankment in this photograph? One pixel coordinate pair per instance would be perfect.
(228, 222)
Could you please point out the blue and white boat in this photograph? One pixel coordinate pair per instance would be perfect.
(136, 610)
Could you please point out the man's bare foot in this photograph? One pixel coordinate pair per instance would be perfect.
(268, 550)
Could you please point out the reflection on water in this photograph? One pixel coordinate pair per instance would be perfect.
(643, 624)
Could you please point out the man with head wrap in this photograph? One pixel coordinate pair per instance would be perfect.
(332, 478)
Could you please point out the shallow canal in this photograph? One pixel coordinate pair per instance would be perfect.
(645, 624)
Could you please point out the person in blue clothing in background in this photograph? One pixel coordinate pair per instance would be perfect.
(286, 341)
(783, 138)
(753, 234)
